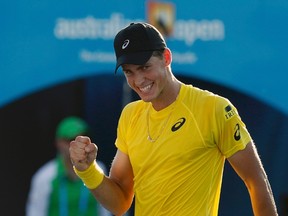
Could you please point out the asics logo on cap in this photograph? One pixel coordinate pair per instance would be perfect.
(125, 44)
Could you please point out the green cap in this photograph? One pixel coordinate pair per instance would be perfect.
(71, 127)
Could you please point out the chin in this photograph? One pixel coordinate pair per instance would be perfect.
(146, 99)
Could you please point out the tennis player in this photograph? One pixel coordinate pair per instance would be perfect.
(172, 144)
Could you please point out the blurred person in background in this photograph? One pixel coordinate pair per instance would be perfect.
(55, 188)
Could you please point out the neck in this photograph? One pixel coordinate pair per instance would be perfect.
(168, 96)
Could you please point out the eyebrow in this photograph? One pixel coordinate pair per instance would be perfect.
(137, 66)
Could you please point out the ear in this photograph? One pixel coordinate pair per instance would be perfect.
(167, 56)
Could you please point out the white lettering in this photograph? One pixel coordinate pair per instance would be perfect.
(109, 57)
(97, 56)
(191, 30)
(91, 28)
(184, 58)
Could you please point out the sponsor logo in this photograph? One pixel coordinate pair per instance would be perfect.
(229, 112)
(180, 122)
(125, 44)
(237, 135)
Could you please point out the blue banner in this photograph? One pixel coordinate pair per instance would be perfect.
(241, 45)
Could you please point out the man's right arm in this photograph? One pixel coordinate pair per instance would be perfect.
(115, 192)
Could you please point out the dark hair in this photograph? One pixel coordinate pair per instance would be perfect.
(158, 53)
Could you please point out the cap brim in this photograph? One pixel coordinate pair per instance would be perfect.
(138, 58)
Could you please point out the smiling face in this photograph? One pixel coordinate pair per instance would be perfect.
(152, 81)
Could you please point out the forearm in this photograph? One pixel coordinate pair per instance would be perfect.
(112, 196)
(262, 200)
(106, 190)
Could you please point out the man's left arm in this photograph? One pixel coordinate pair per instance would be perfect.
(248, 166)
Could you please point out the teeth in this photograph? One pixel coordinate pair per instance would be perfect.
(146, 88)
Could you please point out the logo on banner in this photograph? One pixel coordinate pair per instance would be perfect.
(162, 16)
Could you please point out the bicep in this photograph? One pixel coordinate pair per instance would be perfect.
(121, 173)
(247, 164)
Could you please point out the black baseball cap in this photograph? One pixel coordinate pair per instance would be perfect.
(135, 44)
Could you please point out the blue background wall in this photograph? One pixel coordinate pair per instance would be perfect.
(56, 59)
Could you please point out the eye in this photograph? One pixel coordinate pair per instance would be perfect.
(127, 72)
(145, 67)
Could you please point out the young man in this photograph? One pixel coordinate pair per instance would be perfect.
(172, 143)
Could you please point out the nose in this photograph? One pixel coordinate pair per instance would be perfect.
(139, 79)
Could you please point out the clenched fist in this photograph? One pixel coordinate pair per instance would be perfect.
(82, 152)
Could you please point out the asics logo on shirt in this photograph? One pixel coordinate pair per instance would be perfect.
(237, 135)
(180, 122)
